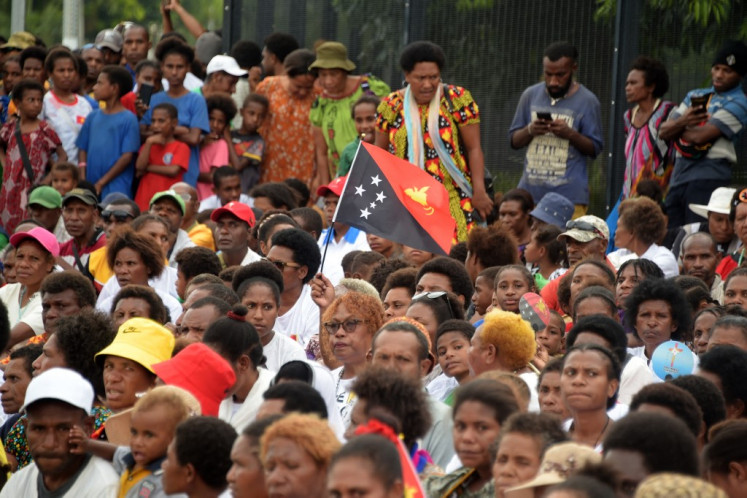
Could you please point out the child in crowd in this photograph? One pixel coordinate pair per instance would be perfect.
(152, 428)
(63, 109)
(512, 282)
(482, 298)
(39, 142)
(163, 159)
(452, 348)
(147, 72)
(546, 253)
(364, 115)
(552, 337)
(80, 83)
(65, 177)
(226, 188)
(214, 147)
(248, 146)
(11, 76)
(110, 136)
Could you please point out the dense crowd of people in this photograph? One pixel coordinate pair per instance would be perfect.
(183, 313)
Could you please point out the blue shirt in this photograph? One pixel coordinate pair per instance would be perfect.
(105, 138)
(552, 164)
(192, 114)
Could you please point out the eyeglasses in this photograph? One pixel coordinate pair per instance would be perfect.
(119, 216)
(280, 265)
(348, 325)
(436, 295)
(584, 226)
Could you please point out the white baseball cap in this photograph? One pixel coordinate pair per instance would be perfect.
(61, 384)
(225, 63)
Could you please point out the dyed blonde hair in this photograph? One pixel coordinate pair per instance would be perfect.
(309, 432)
(512, 337)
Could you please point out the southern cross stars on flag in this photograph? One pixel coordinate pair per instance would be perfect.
(359, 190)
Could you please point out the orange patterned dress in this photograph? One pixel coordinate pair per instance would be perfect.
(287, 132)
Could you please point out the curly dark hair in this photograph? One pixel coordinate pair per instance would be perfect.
(60, 281)
(26, 85)
(656, 437)
(381, 273)
(643, 218)
(421, 51)
(299, 397)
(708, 397)
(278, 193)
(680, 402)
(459, 252)
(606, 328)
(401, 396)
(493, 246)
(196, 260)
(365, 260)
(281, 44)
(173, 45)
(28, 354)
(614, 368)
(56, 54)
(402, 278)
(158, 311)
(224, 103)
(379, 452)
(118, 76)
(126, 238)
(205, 442)
(233, 337)
(655, 73)
(304, 247)
(559, 49)
(521, 269)
(726, 446)
(520, 195)
(263, 277)
(543, 428)
(247, 53)
(461, 284)
(32, 52)
(729, 364)
(79, 338)
(460, 326)
(660, 290)
(493, 394)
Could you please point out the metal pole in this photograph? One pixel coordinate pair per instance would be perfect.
(17, 16)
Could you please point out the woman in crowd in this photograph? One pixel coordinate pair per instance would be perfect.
(246, 477)
(513, 212)
(138, 301)
(397, 292)
(548, 390)
(238, 343)
(725, 458)
(629, 275)
(735, 288)
(330, 116)
(589, 384)
(510, 283)
(521, 446)
(368, 465)
(289, 140)
(136, 259)
(348, 326)
(454, 157)
(35, 255)
(480, 410)
(431, 309)
(296, 453)
(657, 311)
(641, 226)
(259, 288)
(702, 324)
(647, 157)
(77, 340)
(271, 222)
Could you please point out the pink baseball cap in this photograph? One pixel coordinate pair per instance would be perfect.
(41, 235)
(237, 209)
(335, 186)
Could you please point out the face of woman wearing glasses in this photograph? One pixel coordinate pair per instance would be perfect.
(292, 276)
(351, 345)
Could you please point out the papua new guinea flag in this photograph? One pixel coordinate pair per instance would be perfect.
(392, 198)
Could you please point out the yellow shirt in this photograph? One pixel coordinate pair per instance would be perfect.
(202, 236)
(98, 266)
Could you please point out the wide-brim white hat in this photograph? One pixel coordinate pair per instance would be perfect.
(720, 202)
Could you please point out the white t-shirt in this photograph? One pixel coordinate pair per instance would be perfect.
(441, 386)
(531, 379)
(344, 396)
(635, 376)
(213, 202)
(662, 256)
(280, 350)
(353, 240)
(182, 242)
(66, 119)
(247, 412)
(302, 320)
(165, 283)
(31, 314)
(96, 480)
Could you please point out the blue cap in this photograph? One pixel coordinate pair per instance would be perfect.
(554, 209)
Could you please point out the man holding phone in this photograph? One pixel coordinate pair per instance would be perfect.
(560, 123)
(704, 129)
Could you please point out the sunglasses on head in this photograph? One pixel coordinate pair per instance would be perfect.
(436, 295)
(119, 216)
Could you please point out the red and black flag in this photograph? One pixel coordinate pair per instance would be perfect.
(389, 197)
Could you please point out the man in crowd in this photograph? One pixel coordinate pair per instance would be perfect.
(233, 229)
(699, 259)
(223, 72)
(704, 128)
(135, 46)
(80, 212)
(277, 47)
(110, 43)
(65, 293)
(560, 122)
(226, 188)
(45, 207)
(170, 206)
(56, 401)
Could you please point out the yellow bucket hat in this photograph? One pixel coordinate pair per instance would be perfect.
(141, 340)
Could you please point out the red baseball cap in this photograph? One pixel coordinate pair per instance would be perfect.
(201, 371)
(238, 209)
(335, 186)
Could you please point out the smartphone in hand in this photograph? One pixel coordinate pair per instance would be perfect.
(544, 116)
(700, 101)
(145, 93)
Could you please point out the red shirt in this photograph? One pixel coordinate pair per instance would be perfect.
(173, 153)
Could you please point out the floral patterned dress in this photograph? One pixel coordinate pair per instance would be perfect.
(289, 141)
(40, 144)
(457, 109)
